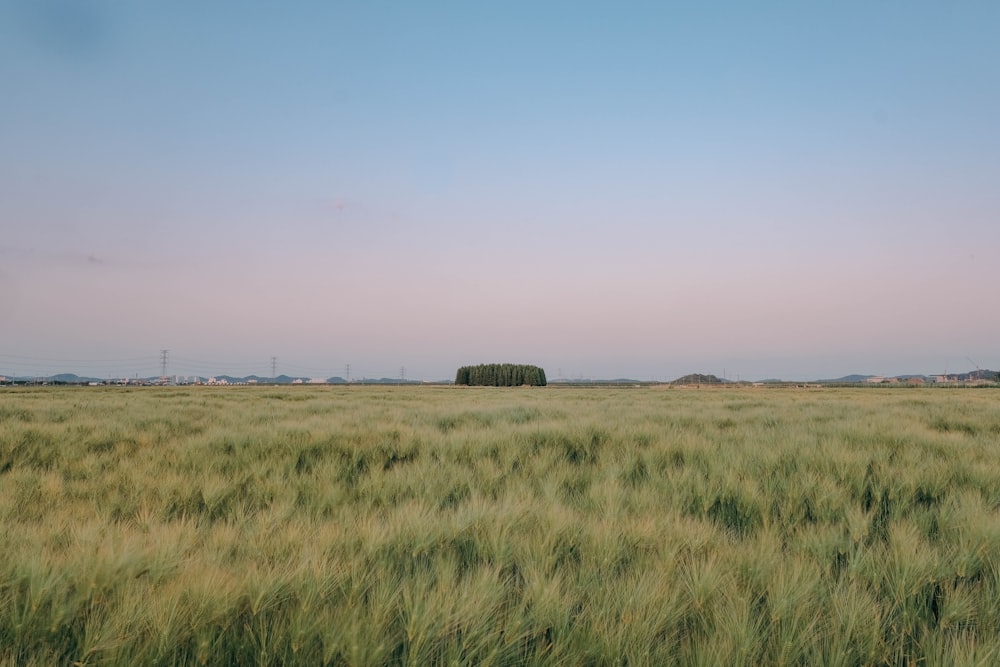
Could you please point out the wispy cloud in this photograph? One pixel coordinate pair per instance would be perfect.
(70, 259)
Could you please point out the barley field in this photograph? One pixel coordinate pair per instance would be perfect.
(484, 526)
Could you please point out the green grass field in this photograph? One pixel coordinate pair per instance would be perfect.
(425, 526)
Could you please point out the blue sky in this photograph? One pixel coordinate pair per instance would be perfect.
(790, 189)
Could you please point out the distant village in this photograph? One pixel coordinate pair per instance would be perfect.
(190, 380)
(977, 378)
(933, 379)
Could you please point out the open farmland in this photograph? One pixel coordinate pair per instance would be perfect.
(433, 525)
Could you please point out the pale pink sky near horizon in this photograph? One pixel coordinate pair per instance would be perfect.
(775, 191)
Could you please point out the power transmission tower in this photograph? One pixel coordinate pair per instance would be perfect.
(163, 363)
(347, 372)
(274, 366)
(402, 374)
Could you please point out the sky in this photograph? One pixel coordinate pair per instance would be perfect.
(794, 190)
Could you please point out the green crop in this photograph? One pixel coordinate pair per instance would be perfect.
(539, 526)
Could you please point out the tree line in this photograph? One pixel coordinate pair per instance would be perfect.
(501, 375)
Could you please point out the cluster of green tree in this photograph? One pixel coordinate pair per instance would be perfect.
(501, 375)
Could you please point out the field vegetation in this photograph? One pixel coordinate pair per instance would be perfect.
(542, 526)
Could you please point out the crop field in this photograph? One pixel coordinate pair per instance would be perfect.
(541, 526)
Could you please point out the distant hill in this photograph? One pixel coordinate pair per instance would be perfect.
(982, 374)
(847, 379)
(978, 375)
(697, 378)
(72, 378)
